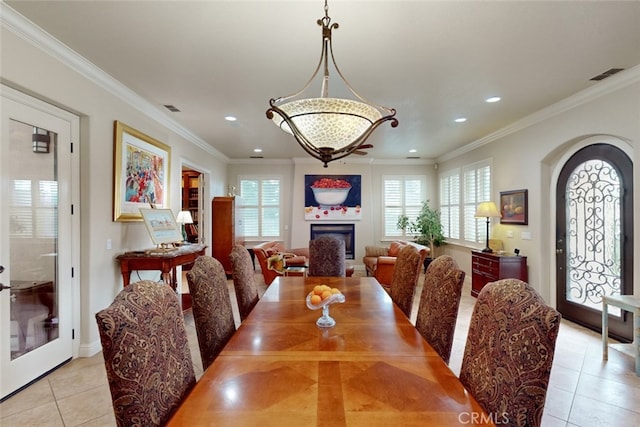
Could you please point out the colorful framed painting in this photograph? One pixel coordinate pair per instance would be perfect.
(332, 197)
(514, 208)
(140, 173)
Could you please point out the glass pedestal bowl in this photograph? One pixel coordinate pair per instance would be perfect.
(325, 321)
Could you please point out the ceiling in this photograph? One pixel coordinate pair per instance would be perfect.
(433, 61)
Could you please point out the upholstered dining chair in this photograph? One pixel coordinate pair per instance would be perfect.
(146, 353)
(211, 305)
(243, 280)
(439, 303)
(327, 256)
(509, 351)
(405, 277)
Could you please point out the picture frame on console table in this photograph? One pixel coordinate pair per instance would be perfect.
(140, 173)
(162, 226)
(514, 207)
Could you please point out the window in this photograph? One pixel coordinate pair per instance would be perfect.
(477, 188)
(259, 207)
(402, 195)
(33, 212)
(458, 205)
(450, 204)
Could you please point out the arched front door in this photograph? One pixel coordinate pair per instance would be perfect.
(594, 236)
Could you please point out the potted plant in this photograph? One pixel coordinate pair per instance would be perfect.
(426, 227)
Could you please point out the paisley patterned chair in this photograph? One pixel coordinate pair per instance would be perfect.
(509, 351)
(439, 303)
(146, 353)
(405, 277)
(327, 257)
(211, 305)
(243, 280)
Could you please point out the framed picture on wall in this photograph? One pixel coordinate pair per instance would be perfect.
(514, 207)
(140, 174)
(332, 197)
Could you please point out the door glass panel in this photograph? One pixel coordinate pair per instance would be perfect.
(593, 234)
(33, 237)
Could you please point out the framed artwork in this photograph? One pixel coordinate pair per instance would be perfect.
(514, 207)
(332, 197)
(161, 225)
(140, 173)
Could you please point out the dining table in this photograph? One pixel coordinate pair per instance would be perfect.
(372, 368)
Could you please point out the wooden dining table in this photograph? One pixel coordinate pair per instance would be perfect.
(372, 368)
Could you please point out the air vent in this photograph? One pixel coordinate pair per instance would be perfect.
(171, 108)
(413, 157)
(256, 157)
(606, 74)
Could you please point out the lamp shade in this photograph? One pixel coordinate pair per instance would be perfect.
(487, 210)
(184, 217)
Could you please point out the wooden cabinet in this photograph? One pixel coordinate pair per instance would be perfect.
(488, 267)
(226, 230)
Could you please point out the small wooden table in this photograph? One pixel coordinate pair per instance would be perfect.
(166, 262)
(629, 303)
(371, 368)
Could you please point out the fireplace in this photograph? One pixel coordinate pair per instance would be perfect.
(345, 232)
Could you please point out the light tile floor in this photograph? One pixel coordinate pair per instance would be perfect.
(583, 390)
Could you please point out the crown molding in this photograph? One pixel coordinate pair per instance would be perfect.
(611, 84)
(36, 36)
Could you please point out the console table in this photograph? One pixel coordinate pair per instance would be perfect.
(490, 266)
(166, 262)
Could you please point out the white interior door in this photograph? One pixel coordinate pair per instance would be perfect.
(36, 235)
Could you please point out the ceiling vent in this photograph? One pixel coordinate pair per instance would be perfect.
(256, 157)
(413, 157)
(171, 108)
(609, 72)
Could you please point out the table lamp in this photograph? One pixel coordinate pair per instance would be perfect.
(184, 217)
(487, 210)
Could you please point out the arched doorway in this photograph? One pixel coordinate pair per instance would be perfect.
(594, 236)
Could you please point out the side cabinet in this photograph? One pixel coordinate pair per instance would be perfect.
(226, 230)
(488, 267)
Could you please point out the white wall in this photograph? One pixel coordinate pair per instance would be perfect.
(34, 71)
(531, 157)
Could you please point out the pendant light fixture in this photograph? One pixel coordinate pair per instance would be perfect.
(329, 128)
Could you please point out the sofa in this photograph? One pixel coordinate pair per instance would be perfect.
(266, 250)
(379, 261)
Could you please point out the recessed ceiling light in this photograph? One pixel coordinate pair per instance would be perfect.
(257, 150)
(460, 120)
(231, 118)
(413, 150)
(493, 99)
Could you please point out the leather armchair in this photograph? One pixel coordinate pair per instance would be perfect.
(263, 251)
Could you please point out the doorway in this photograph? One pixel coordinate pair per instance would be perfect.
(594, 236)
(39, 239)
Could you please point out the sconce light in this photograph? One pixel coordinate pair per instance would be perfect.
(487, 210)
(41, 140)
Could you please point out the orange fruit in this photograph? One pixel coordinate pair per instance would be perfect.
(326, 294)
(318, 289)
(316, 299)
(335, 290)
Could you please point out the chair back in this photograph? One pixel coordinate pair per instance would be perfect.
(509, 351)
(327, 256)
(146, 353)
(211, 305)
(439, 303)
(243, 280)
(406, 273)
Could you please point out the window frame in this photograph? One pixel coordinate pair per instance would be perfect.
(242, 205)
(402, 234)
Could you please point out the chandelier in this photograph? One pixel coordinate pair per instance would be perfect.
(329, 128)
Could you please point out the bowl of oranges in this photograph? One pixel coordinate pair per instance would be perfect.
(322, 296)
